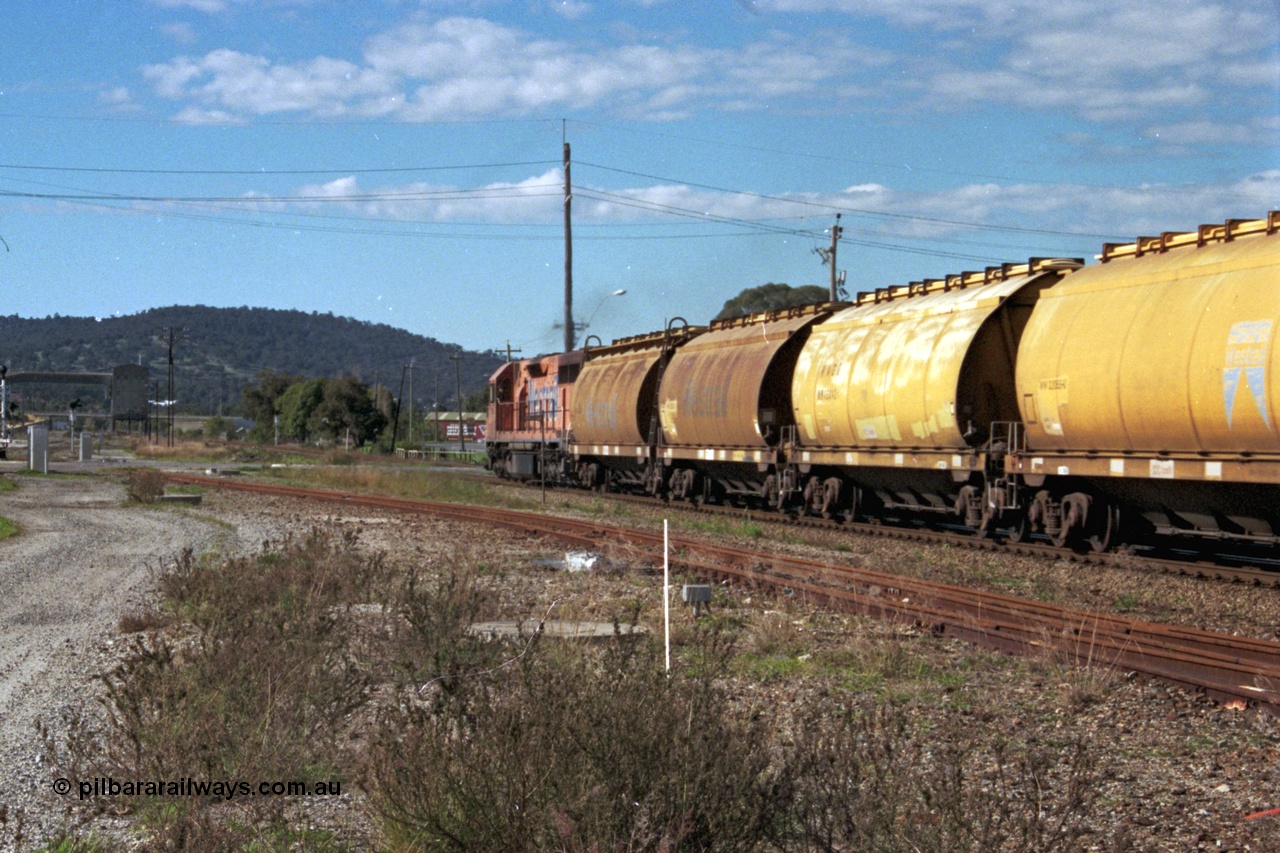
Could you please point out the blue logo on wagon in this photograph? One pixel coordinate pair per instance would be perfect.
(1248, 349)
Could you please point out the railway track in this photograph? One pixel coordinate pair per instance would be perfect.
(1239, 671)
(1191, 565)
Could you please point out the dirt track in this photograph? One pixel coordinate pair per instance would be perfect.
(83, 559)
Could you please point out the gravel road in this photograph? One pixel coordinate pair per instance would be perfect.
(84, 558)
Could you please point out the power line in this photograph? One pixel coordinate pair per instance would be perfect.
(858, 161)
(386, 170)
(847, 209)
(631, 201)
(259, 121)
(408, 195)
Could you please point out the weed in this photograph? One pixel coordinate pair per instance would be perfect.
(142, 619)
(404, 483)
(1081, 668)
(725, 527)
(70, 843)
(258, 686)
(1126, 602)
(577, 749)
(768, 668)
(869, 780)
(143, 485)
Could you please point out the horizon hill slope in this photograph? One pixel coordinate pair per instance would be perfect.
(217, 351)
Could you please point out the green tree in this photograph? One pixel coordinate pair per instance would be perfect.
(347, 404)
(770, 297)
(260, 402)
(217, 427)
(297, 404)
(476, 401)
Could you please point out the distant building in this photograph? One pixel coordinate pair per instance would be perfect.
(473, 425)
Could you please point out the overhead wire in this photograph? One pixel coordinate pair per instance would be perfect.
(748, 227)
(333, 171)
(848, 209)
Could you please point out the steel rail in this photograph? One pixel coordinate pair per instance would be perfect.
(1238, 670)
(1242, 574)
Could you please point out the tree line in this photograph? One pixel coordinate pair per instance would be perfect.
(338, 411)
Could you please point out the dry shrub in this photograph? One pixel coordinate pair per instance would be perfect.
(181, 449)
(577, 748)
(144, 485)
(259, 687)
(146, 618)
(1080, 668)
(868, 778)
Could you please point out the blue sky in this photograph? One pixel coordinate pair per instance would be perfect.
(398, 161)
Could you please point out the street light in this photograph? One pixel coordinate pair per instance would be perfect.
(584, 326)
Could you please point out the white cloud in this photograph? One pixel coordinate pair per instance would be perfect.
(233, 83)
(465, 67)
(1098, 59)
(182, 33)
(210, 6)
(1184, 64)
(903, 216)
(117, 98)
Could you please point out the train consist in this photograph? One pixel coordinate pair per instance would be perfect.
(1125, 401)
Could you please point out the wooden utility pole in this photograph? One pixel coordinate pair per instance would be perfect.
(457, 372)
(412, 363)
(835, 239)
(568, 256)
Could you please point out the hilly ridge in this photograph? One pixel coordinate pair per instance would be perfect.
(220, 350)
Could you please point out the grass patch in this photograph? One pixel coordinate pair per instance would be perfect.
(769, 668)
(403, 483)
(1126, 602)
(9, 527)
(724, 527)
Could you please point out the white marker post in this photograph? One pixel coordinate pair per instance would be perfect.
(666, 590)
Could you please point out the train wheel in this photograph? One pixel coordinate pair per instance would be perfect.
(1107, 530)
(830, 497)
(1020, 529)
(695, 488)
(850, 513)
(1075, 516)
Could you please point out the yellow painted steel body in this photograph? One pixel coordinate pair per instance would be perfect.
(1164, 348)
(616, 394)
(928, 366)
(718, 388)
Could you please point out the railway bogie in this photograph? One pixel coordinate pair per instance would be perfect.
(1131, 401)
